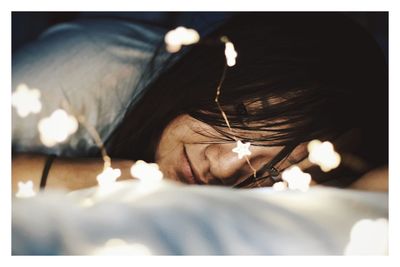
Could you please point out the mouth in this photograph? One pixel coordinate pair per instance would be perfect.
(187, 170)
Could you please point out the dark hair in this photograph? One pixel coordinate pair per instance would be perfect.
(304, 76)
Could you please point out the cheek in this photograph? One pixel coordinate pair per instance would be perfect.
(182, 130)
(175, 134)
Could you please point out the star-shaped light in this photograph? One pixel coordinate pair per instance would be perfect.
(108, 177)
(116, 246)
(323, 154)
(296, 178)
(230, 54)
(174, 39)
(25, 190)
(144, 171)
(368, 237)
(242, 149)
(26, 100)
(57, 128)
(279, 186)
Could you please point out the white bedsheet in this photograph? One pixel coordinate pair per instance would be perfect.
(174, 219)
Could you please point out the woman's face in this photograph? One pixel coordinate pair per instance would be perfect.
(184, 155)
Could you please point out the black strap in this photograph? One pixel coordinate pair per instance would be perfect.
(269, 167)
(46, 170)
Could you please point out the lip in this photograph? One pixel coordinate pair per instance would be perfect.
(187, 169)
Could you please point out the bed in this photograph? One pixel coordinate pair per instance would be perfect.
(163, 218)
(174, 219)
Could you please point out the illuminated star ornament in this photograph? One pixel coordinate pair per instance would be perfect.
(296, 178)
(57, 128)
(25, 190)
(242, 149)
(368, 237)
(323, 154)
(26, 100)
(148, 172)
(279, 186)
(230, 54)
(180, 36)
(116, 246)
(108, 177)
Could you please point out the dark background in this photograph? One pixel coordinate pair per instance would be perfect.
(27, 26)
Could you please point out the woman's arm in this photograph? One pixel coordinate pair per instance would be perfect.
(65, 173)
(374, 180)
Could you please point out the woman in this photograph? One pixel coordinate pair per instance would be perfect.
(299, 77)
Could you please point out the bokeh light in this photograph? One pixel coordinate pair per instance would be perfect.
(118, 246)
(108, 177)
(323, 154)
(174, 39)
(279, 186)
(230, 54)
(296, 178)
(147, 172)
(26, 100)
(368, 237)
(57, 128)
(25, 190)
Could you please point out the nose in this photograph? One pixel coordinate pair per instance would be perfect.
(226, 165)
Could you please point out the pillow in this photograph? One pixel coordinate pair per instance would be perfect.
(94, 65)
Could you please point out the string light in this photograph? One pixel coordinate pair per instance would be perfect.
(108, 176)
(97, 139)
(147, 172)
(279, 186)
(60, 125)
(323, 154)
(230, 53)
(242, 149)
(180, 36)
(368, 237)
(25, 190)
(174, 39)
(57, 128)
(26, 100)
(296, 178)
(118, 246)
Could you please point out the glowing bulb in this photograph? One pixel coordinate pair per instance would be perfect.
(25, 190)
(108, 177)
(26, 100)
(117, 246)
(144, 171)
(174, 39)
(279, 186)
(230, 54)
(242, 149)
(323, 154)
(57, 128)
(296, 178)
(368, 237)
